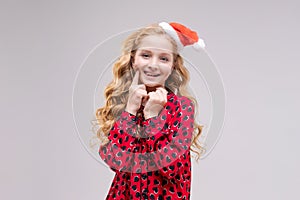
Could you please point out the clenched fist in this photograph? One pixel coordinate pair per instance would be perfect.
(155, 103)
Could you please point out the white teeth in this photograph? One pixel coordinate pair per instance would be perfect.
(154, 75)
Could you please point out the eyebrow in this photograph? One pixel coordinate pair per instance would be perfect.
(149, 51)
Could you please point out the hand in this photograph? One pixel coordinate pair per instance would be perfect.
(137, 92)
(155, 103)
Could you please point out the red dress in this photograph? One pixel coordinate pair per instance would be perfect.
(156, 165)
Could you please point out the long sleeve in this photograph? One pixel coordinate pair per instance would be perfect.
(158, 161)
(118, 153)
(169, 137)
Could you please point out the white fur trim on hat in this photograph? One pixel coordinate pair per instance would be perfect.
(199, 45)
(170, 30)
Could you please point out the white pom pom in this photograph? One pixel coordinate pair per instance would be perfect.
(199, 45)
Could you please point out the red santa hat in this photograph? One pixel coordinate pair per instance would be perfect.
(182, 35)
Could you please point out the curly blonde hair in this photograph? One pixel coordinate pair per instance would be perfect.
(116, 93)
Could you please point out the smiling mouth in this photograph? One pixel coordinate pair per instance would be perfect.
(150, 74)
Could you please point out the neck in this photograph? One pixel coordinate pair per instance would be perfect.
(152, 88)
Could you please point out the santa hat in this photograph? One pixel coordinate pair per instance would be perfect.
(182, 35)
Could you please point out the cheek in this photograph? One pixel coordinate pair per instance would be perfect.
(168, 69)
(136, 67)
(139, 63)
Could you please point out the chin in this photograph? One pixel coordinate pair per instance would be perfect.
(152, 84)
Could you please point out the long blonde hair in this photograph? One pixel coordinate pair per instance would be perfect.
(116, 93)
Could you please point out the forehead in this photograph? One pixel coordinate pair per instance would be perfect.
(157, 43)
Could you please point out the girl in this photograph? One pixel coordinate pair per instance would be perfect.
(147, 125)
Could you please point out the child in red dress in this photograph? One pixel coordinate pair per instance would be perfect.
(147, 125)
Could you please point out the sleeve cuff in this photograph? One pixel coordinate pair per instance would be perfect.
(155, 125)
(124, 129)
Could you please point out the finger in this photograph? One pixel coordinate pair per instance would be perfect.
(145, 99)
(162, 94)
(156, 97)
(139, 92)
(151, 94)
(138, 87)
(144, 93)
(162, 90)
(135, 80)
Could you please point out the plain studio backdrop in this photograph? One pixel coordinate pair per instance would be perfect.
(255, 45)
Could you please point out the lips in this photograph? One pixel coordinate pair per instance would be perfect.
(151, 74)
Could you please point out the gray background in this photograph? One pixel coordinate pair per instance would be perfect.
(254, 44)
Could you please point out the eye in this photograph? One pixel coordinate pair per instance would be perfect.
(165, 59)
(145, 55)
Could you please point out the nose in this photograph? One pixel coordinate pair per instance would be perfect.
(153, 63)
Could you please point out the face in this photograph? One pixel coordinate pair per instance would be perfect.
(154, 60)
